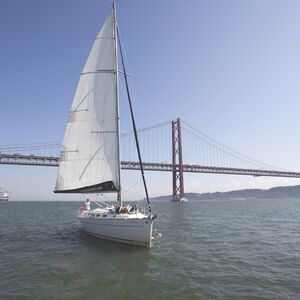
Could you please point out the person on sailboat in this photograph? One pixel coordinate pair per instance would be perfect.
(87, 205)
(123, 209)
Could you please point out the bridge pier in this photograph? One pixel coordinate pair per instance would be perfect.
(178, 185)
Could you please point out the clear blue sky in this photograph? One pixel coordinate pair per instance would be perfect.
(230, 68)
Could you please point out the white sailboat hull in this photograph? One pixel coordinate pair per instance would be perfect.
(128, 230)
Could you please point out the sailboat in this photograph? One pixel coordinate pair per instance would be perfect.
(90, 153)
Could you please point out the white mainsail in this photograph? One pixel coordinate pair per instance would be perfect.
(89, 158)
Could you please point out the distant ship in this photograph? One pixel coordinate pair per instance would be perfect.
(4, 195)
(183, 199)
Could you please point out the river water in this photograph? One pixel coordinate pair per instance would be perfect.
(228, 249)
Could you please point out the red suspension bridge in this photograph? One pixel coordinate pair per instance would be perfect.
(205, 154)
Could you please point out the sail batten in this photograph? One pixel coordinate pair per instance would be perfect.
(99, 71)
(92, 125)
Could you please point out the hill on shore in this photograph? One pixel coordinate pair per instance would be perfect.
(272, 193)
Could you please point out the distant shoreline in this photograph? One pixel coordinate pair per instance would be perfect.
(280, 192)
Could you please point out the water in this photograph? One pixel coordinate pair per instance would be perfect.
(202, 250)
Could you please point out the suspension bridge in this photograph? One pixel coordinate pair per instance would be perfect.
(164, 147)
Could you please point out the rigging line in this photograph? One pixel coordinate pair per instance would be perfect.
(126, 61)
(147, 128)
(124, 52)
(131, 187)
(157, 149)
(133, 123)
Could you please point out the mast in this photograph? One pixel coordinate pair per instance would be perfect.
(119, 197)
(133, 123)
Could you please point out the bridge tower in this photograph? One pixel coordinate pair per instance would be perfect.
(178, 185)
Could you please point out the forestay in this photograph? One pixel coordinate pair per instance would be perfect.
(89, 158)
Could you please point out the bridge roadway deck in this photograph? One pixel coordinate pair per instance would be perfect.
(51, 161)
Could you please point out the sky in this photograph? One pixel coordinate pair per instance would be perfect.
(229, 68)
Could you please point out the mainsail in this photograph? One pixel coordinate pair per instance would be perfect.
(90, 156)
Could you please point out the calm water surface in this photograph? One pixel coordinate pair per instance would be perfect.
(202, 250)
